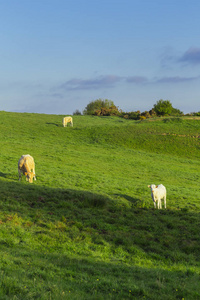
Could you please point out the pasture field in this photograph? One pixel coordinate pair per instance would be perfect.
(86, 228)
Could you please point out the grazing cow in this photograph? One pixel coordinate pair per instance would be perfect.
(67, 120)
(158, 192)
(26, 166)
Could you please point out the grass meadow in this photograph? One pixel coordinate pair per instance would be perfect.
(86, 228)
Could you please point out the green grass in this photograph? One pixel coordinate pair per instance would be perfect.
(86, 228)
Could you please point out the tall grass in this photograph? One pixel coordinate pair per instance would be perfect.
(87, 229)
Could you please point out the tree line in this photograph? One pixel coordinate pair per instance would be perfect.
(105, 107)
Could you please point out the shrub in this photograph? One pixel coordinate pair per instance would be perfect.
(176, 112)
(77, 112)
(110, 111)
(152, 113)
(97, 105)
(135, 115)
(145, 114)
(163, 107)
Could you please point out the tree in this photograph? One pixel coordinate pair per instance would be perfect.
(97, 105)
(77, 112)
(176, 112)
(163, 107)
(197, 114)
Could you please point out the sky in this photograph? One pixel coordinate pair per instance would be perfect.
(56, 56)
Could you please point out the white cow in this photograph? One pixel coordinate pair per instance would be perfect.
(67, 120)
(158, 192)
(26, 165)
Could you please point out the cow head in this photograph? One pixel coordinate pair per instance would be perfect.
(29, 176)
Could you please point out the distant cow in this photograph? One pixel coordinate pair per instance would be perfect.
(67, 120)
(158, 192)
(26, 166)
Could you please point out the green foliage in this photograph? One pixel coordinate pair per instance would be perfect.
(176, 112)
(134, 115)
(152, 113)
(110, 111)
(77, 113)
(145, 114)
(197, 114)
(98, 105)
(86, 228)
(163, 107)
(137, 115)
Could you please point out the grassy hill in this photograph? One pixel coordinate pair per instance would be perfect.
(86, 228)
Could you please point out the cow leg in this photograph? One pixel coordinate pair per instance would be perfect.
(165, 201)
(20, 174)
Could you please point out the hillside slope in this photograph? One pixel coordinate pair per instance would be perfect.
(86, 228)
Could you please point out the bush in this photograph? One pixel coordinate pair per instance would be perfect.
(145, 114)
(176, 112)
(134, 115)
(163, 107)
(152, 113)
(111, 111)
(77, 112)
(97, 106)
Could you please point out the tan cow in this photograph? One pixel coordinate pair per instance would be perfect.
(26, 166)
(67, 120)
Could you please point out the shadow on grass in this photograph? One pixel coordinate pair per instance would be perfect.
(90, 228)
(129, 198)
(58, 125)
(66, 277)
(3, 175)
(25, 198)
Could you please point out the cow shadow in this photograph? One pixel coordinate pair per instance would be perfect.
(49, 201)
(57, 125)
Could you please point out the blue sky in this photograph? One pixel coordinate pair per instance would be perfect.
(58, 55)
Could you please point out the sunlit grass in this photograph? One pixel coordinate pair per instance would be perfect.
(87, 229)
